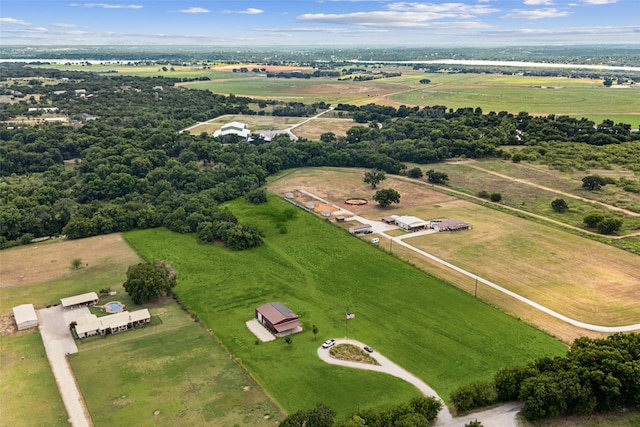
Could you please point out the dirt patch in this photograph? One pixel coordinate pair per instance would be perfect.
(41, 262)
(7, 325)
(339, 184)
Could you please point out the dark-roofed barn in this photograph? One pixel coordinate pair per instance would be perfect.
(276, 317)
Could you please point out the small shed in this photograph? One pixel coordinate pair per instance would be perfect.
(361, 229)
(82, 300)
(25, 316)
(277, 317)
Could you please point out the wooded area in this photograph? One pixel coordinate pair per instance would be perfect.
(131, 167)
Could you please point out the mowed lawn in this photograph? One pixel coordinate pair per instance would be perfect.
(29, 394)
(434, 330)
(175, 368)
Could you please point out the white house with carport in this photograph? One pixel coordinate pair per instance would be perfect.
(83, 300)
(25, 316)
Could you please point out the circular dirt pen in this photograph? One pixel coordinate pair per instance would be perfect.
(357, 202)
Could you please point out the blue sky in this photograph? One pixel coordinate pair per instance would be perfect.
(319, 22)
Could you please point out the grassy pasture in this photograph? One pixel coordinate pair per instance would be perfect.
(434, 330)
(29, 393)
(41, 273)
(464, 177)
(575, 276)
(568, 182)
(175, 368)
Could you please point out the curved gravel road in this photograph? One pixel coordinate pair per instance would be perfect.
(501, 416)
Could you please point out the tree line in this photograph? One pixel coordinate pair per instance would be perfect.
(596, 376)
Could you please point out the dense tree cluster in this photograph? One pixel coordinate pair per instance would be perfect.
(597, 375)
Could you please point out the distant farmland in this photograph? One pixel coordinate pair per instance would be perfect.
(491, 92)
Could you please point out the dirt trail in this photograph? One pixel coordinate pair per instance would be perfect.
(552, 190)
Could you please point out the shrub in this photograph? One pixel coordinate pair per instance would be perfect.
(495, 197)
(473, 396)
(592, 219)
(559, 205)
(484, 194)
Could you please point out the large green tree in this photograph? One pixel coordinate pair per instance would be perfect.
(149, 281)
(374, 177)
(386, 196)
(593, 182)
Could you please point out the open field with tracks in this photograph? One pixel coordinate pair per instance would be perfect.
(578, 277)
(310, 130)
(491, 92)
(319, 272)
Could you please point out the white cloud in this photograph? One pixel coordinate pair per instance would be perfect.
(64, 25)
(249, 11)
(536, 14)
(409, 15)
(538, 2)
(107, 5)
(195, 10)
(252, 11)
(14, 21)
(328, 30)
(597, 2)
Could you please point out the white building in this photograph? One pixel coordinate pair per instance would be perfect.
(25, 316)
(82, 300)
(234, 128)
(410, 223)
(90, 324)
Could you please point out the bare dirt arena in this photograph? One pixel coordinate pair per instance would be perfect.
(347, 184)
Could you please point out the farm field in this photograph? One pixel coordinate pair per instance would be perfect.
(472, 177)
(175, 368)
(319, 272)
(491, 92)
(578, 277)
(29, 393)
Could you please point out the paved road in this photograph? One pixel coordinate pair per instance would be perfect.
(500, 416)
(58, 342)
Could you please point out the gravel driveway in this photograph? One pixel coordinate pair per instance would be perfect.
(500, 416)
(58, 342)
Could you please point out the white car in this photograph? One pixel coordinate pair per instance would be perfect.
(328, 343)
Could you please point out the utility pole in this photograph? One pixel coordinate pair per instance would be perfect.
(475, 294)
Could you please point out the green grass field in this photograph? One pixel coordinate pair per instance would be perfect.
(174, 367)
(434, 330)
(29, 393)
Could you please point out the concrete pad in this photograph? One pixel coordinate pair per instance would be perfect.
(260, 331)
